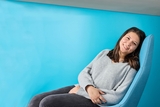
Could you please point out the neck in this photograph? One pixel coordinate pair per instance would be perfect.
(121, 60)
(121, 57)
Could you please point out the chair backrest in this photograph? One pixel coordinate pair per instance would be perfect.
(135, 90)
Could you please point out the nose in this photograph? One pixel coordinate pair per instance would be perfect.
(129, 43)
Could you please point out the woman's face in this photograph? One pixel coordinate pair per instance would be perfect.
(129, 43)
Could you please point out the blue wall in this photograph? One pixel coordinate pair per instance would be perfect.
(43, 47)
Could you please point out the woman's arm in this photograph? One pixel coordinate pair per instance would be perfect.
(87, 83)
(114, 96)
(85, 76)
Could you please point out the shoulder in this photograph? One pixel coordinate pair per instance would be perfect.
(102, 53)
(105, 51)
(131, 70)
(125, 66)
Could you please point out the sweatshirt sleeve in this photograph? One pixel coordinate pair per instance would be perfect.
(114, 96)
(85, 76)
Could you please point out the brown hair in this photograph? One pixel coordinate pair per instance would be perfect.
(132, 58)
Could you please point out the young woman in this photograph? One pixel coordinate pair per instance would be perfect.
(104, 81)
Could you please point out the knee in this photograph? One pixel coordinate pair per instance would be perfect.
(44, 103)
(50, 101)
(34, 102)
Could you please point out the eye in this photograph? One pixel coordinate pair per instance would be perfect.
(134, 43)
(127, 37)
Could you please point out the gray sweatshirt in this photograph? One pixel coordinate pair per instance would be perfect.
(112, 78)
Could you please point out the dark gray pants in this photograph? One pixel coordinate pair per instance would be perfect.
(60, 98)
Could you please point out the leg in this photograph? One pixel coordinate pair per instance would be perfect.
(36, 100)
(66, 100)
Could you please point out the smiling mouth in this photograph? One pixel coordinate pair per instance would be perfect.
(126, 48)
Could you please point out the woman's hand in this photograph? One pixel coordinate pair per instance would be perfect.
(95, 95)
(74, 90)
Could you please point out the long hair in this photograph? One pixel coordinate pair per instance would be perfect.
(132, 58)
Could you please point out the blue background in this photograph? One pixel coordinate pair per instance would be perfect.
(44, 47)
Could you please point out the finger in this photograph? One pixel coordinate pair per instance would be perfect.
(101, 92)
(93, 101)
(102, 99)
(98, 101)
